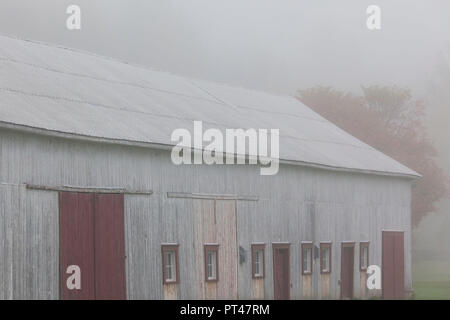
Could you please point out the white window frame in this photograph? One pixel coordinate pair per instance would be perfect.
(307, 253)
(211, 265)
(325, 257)
(258, 260)
(170, 268)
(364, 257)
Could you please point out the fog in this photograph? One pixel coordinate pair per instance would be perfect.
(276, 46)
(265, 44)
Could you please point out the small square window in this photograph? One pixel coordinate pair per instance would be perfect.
(170, 263)
(211, 262)
(307, 249)
(325, 257)
(363, 255)
(258, 260)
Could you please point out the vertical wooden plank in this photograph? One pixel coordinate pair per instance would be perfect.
(388, 269)
(109, 247)
(258, 288)
(210, 290)
(200, 239)
(276, 274)
(170, 291)
(9, 203)
(399, 280)
(363, 284)
(143, 248)
(41, 244)
(286, 274)
(351, 269)
(306, 286)
(228, 255)
(215, 222)
(20, 263)
(204, 211)
(325, 285)
(76, 236)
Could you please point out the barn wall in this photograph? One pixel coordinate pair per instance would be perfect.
(298, 204)
(28, 244)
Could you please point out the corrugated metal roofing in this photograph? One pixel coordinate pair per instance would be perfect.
(69, 91)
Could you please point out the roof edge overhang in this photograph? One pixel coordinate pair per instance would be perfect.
(168, 147)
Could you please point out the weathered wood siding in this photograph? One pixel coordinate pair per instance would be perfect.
(28, 244)
(9, 206)
(298, 204)
(215, 222)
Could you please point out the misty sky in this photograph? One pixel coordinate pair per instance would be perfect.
(273, 45)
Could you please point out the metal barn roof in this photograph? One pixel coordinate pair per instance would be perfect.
(65, 91)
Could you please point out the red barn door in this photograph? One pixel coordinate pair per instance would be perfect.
(76, 239)
(393, 269)
(109, 247)
(347, 266)
(92, 239)
(281, 272)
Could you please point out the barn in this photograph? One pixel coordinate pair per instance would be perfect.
(92, 207)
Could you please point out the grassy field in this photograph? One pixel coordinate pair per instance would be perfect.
(431, 280)
(431, 290)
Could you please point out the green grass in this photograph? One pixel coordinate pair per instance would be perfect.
(432, 290)
(431, 280)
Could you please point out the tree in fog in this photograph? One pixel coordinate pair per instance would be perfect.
(392, 121)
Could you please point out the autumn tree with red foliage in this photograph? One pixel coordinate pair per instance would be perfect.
(390, 120)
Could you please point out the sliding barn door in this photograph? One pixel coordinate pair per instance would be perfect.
(215, 223)
(92, 246)
(76, 243)
(109, 247)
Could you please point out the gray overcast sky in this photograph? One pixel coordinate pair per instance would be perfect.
(273, 45)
